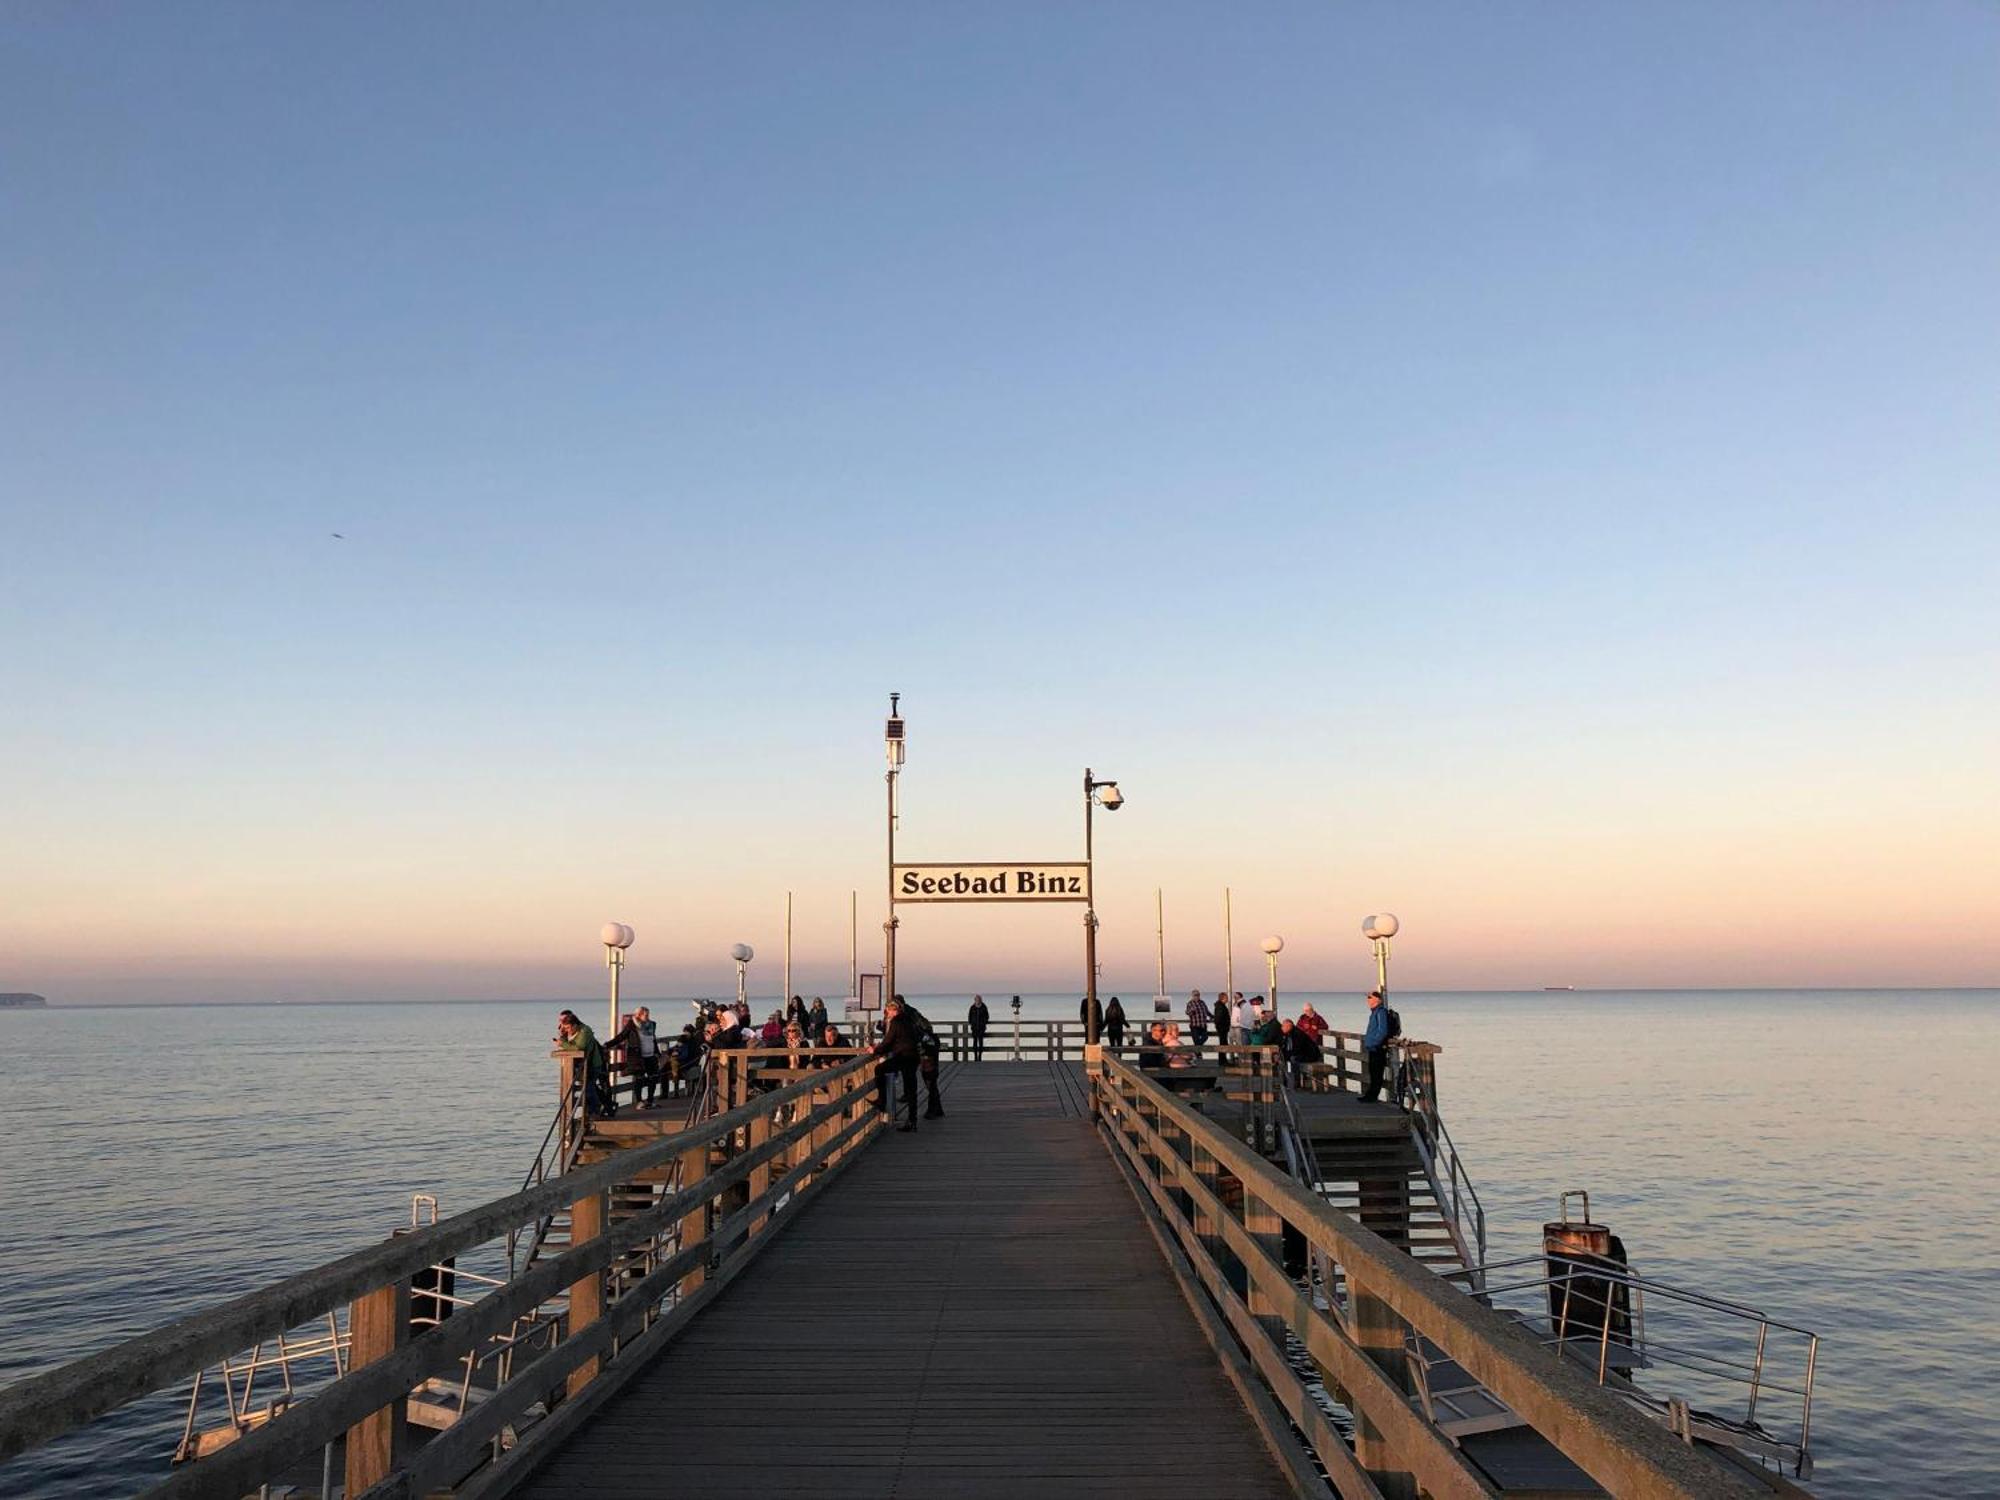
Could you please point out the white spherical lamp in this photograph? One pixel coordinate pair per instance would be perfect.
(615, 935)
(1382, 925)
(743, 953)
(1273, 944)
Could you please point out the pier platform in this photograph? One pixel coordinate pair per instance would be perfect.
(1089, 1279)
(978, 1312)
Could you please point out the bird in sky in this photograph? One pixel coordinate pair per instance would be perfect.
(336, 536)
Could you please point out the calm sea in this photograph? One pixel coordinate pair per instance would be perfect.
(1828, 1157)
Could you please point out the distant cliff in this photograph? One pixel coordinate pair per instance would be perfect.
(22, 1002)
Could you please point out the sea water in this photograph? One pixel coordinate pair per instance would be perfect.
(1825, 1156)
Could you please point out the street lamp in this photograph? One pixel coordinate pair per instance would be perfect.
(1273, 946)
(616, 937)
(1378, 930)
(742, 953)
(892, 745)
(1104, 794)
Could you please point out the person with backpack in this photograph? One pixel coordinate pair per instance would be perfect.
(1384, 1027)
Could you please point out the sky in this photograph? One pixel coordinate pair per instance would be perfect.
(1530, 468)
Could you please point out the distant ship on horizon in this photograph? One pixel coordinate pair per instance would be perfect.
(24, 1002)
(1558, 986)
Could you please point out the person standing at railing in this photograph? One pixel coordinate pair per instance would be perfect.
(900, 1055)
(1114, 1023)
(1198, 1015)
(1264, 1030)
(573, 1035)
(1375, 1047)
(977, 1019)
(1084, 1007)
(1299, 1048)
(641, 1042)
(686, 1059)
(816, 1017)
(1311, 1022)
(1225, 1018)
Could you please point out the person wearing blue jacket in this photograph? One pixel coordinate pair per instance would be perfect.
(1374, 1047)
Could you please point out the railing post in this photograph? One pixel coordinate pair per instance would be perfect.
(1380, 1335)
(694, 1223)
(1268, 1230)
(377, 1325)
(569, 1085)
(586, 1296)
(760, 1176)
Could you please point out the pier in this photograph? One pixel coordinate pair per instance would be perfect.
(1087, 1279)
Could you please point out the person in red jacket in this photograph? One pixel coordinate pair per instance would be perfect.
(1311, 1022)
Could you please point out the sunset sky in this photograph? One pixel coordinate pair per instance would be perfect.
(1535, 469)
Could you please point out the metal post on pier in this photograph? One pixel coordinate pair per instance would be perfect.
(1228, 958)
(1378, 930)
(1103, 794)
(1273, 946)
(892, 741)
(616, 937)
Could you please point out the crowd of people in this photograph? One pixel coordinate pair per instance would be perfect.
(908, 1047)
(1240, 1022)
(661, 1067)
(664, 1067)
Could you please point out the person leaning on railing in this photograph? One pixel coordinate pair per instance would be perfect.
(1299, 1048)
(574, 1036)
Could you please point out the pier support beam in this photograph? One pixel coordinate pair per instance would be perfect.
(378, 1325)
(586, 1297)
(1380, 1334)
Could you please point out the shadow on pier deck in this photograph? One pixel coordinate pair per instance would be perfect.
(979, 1311)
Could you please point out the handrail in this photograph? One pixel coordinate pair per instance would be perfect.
(1182, 1158)
(791, 1127)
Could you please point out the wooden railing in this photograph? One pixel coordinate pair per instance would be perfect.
(733, 1181)
(1222, 1214)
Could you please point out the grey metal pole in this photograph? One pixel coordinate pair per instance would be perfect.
(889, 927)
(1089, 922)
(616, 959)
(1228, 954)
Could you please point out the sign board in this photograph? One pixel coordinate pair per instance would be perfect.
(870, 998)
(1022, 881)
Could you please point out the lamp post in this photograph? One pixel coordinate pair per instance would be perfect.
(742, 953)
(1378, 929)
(892, 744)
(1273, 946)
(616, 937)
(1096, 794)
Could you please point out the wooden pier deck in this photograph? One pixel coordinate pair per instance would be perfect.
(980, 1311)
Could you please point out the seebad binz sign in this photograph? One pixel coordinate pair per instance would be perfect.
(1065, 881)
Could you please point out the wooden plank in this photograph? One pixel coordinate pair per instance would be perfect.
(976, 1310)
